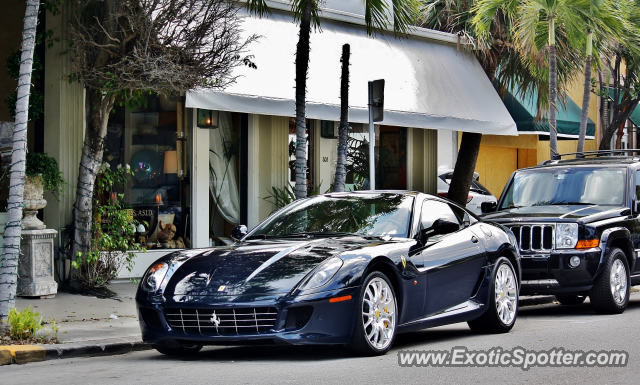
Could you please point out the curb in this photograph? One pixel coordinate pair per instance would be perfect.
(22, 354)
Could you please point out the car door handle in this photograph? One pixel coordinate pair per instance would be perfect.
(474, 239)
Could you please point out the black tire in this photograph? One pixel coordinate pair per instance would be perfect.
(360, 344)
(183, 350)
(570, 299)
(490, 321)
(601, 294)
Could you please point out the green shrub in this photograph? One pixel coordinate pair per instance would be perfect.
(24, 324)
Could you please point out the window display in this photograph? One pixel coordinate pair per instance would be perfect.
(153, 143)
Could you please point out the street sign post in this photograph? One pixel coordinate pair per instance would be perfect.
(376, 114)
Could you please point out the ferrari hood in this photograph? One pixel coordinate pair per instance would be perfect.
(256, 267)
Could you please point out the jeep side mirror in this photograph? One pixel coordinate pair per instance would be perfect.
(488, 207)
(239, 232)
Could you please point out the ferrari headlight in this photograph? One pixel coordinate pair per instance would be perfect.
(153, 279)
(566, 235)
(328, 269)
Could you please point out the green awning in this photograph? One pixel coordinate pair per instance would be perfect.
(523, 111)
(635, 115)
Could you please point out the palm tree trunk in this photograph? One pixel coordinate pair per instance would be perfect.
(586, 97)
(465, 166)
(98, 108)
(11, 256)
(302, 68)
(343, 135)
(553, 96)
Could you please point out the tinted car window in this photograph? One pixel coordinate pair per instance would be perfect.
(433, 210)
(366, 214)
(638, 185)
(566, 185)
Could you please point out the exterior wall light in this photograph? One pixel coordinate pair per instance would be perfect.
(207, 118)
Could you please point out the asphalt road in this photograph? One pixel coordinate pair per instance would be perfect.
(538, 328)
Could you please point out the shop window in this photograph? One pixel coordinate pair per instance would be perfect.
(390, 152)
(159, 190)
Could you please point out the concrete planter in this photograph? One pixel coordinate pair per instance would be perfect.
(33, 201)
(36, 267)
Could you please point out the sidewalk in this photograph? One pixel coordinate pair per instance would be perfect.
(89, 326)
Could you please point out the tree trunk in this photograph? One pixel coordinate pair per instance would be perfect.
(465, 166)
(586, 98)
(619, 135)
(98, 108)
(302, 68)
(13, 228)
(553, 91)
(343, 135)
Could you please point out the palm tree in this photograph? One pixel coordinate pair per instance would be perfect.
(540, 18)
(343, 128)
(606, 23)
(489, 25)
(307, 13)
(9, 259)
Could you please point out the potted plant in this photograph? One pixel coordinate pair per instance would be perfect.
(42, 175)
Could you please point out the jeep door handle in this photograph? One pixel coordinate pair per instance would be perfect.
(474, 239)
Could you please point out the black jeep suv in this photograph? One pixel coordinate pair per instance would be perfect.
(577, 225)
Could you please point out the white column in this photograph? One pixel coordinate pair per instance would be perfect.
(199, 185)
(253, 183)
(64, 125)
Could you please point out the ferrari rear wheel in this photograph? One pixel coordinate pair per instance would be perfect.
(375, 324)
(183, 350)
(503, 301)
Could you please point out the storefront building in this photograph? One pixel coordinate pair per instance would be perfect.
(500, 156)
(208, 161)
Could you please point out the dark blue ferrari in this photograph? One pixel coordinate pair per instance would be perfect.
(350, 269)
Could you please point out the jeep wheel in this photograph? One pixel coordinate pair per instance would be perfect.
(570, 299)
(610, 292)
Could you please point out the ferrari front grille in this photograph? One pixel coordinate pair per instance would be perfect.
(227, 321)
(534, 237)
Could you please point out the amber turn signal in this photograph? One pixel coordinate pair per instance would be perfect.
(340, 299)
(587, 243)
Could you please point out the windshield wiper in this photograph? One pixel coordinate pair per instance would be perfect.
(573, 203)
(292, 235)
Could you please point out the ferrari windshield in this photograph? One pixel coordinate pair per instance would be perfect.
(365, 214)
(566, 186)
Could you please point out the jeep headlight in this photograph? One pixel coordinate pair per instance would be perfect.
(321, 276)
(566, 235)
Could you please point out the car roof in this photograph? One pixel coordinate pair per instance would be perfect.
(605, 161)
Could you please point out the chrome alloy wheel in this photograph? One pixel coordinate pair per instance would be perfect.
(378, 313)
(618, 281)
(506, 292)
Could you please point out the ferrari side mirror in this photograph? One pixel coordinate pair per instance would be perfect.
(239, 232)
(488, 207)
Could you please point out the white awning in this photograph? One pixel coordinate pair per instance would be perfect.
(429, 83)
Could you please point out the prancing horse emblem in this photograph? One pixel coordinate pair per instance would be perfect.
(214, 319)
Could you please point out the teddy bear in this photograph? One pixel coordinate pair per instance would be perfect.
(166, 234)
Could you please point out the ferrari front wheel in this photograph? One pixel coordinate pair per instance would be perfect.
(503, 301)
(375, 323)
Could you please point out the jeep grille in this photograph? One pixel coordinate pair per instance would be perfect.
(534, 237)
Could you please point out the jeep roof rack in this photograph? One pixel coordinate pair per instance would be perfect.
(584, 154)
